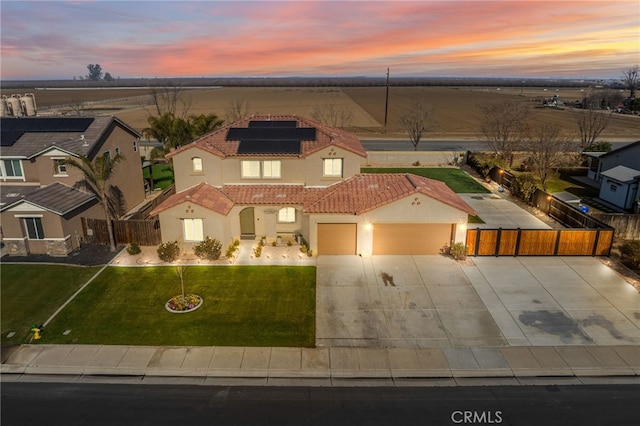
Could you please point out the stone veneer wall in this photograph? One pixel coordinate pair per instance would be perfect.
(17, 247)
(59, 247)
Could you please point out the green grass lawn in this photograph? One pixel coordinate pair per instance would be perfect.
(32, 293)
(162, 175)
(243, 306)
(455, 179)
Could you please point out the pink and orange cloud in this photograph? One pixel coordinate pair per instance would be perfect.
(274, 38)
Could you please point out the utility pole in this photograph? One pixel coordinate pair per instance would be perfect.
(386, 104)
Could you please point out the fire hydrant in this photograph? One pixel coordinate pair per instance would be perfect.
(36, 332)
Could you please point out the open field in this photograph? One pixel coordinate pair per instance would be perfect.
(457, 110)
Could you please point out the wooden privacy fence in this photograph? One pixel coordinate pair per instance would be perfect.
(539, 242)
(143, 232)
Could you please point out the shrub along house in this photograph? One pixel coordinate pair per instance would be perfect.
(41, 200)
(290, 176)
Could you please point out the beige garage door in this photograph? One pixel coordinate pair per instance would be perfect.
(336, 238)
(399, 238)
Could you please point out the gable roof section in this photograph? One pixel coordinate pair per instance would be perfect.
(622, 174)
(274, 136)
(27, 137)
(364, 192)
(57, 198)
(621, 149)
(202, 194)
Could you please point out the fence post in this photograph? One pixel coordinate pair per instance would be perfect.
(517, 250)
(478, 231)
(594, 250)
(498, 237)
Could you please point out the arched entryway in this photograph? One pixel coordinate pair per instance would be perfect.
(247, 224)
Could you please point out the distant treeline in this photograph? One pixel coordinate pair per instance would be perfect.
(311, 82)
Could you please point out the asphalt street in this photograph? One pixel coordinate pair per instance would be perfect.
(99, 404)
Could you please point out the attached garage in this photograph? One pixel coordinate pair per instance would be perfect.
(337, 238)
(410, 238)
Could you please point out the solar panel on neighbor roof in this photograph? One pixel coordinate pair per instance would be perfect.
(13, 128)
(257, 146)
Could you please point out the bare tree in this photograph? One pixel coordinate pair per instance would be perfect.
(169, 98)
(549, 149)
(332, 116)
(417, 121)
(237, 110)
(503, 127)
(591, 122)
(631, 80)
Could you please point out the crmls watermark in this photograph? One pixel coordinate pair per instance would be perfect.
(476, 417)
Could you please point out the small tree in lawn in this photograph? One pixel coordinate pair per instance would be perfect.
(96, 175)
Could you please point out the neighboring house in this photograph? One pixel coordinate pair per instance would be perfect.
(619, 186)
(42, 200)
(628, 156)
(617, 172)
(290, 176)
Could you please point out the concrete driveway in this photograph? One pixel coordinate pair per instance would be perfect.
(433, 301)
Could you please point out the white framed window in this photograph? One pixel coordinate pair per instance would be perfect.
(107, 156)
(33, 225)
(250, 169)
(59, 167)
(11, 169)
(193, 229)
(271, 169)
(332, 167)
(287, 215)
(196, 164)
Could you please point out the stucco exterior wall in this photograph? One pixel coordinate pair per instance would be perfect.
(186, 177)
(314, 166)
(214, 224)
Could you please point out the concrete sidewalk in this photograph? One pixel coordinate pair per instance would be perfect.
(322, 366)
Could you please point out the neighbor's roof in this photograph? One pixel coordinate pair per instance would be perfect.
(365, 192)
(622, 174)
(57, 198)
(27, 137)
(289, 135)
(621, 149)
(356, 195)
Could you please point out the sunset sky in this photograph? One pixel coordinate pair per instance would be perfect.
(516, 38)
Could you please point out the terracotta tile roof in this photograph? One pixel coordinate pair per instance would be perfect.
(365, 192)
(216, 143)
(356, 195)
(203, 195)
(266, 194)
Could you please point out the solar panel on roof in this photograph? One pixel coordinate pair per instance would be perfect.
(11, 129)
(268, 123)
(296, 133)
(256, 146)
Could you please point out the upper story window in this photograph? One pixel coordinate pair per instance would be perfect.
(267, 169)
(332, 167)
(107, 156)
(11, 169)
(60, 169)
(196, 164)
(250, 169)
(271, 169)
(287, 215)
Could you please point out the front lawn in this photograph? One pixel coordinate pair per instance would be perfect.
(243, 306)
(455, 179)
(32, 293)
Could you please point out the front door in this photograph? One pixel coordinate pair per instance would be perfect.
(247, 225)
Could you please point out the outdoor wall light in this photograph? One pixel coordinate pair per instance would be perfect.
(368, 226)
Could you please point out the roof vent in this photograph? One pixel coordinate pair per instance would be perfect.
(84, 141)
(258, 196)
(281, 195)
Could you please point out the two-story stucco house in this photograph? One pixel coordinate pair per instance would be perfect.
(41, 199)
(287, 175)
